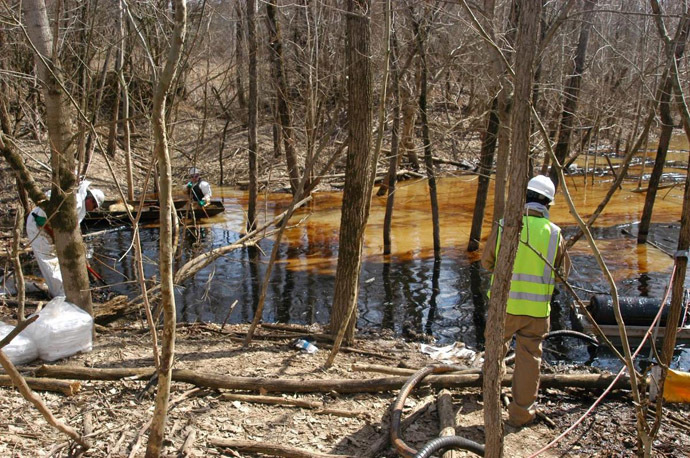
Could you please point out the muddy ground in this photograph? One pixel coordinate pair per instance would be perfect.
(115, 414)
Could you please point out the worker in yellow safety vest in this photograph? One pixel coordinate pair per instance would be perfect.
(541, 249)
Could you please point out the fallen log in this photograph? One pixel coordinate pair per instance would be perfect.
(462, 164)
(280, 401)
(405, 371)
(228, 382)
(268, 449)
(113, 309)
(446, 418)
(46, 384)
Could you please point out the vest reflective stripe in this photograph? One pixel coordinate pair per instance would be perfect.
(532, 282)
(529, 297)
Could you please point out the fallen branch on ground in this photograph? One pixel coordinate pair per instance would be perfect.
(405, 371)
(279, 401)
(215, 381)
(268, 449)
(46, 384)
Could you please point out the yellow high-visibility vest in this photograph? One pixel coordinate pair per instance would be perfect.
(533, 279)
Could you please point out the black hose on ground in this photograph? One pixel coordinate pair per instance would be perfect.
(570, 333)
(454, 442)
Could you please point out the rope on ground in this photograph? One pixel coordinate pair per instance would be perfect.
(620, 373)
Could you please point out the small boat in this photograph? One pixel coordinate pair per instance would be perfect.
(638, 313)
(114, 213)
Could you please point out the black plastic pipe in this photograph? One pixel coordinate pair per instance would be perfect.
(452, 442)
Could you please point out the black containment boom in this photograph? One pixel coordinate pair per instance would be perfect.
(636, 311)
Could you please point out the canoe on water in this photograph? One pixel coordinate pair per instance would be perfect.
(638, 313)
(113, 213)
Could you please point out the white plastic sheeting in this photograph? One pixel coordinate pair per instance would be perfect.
(21, 350)
(62, 329)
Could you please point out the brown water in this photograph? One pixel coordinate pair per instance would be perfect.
(406, 290)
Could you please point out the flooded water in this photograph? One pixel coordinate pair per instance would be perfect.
(407, 291)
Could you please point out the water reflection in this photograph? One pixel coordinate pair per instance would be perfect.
(407, 291)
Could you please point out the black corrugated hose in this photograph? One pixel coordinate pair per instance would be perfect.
(454, 442)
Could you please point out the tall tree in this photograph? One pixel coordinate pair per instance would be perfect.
(359, 178)
(167, 225)
(421, 31)
(485, 165)
(395, 148)
(489, 139)
(253, 115)
(59, 117)
(494, 369)
(281, 91)
(572, 89)
(675, 49)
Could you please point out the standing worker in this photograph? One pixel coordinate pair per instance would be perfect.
(541, 247)
(42, 240)
(199, 190)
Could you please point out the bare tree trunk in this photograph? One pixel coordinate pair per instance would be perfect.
(409, 115)
(59, 119)
(572, 89)
(421, 31)
(485, 165)
(674, 50)
(125, 102)
(681, 261)
(504, 108)
(167, 210)
(358, 182)
(493, 364)
(659, 161)
(239, 57)
(395, 151)
(281, 89)
(253, 115)
(5, 124)
(16, 262)
(90, 140)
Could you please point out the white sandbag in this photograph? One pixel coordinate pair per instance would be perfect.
(21, 350)
(62, 329)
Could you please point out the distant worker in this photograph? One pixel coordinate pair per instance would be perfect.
(42, 239)
(541, 247)
(199, 190)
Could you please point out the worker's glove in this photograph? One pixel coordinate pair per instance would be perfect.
(202, 202)
(40, 220)
(190, 185)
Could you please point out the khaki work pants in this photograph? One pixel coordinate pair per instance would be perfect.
(530, 333)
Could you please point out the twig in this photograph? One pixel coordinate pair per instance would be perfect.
(227, 317)
(188, 443)
(17, 329)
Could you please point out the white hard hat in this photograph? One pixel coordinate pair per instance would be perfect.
(98, 196)
(543, 185)
(194, 171)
